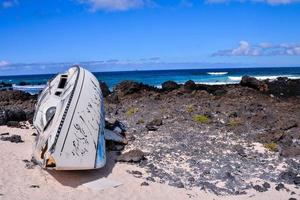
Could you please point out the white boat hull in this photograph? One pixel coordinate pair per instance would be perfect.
(73, 137)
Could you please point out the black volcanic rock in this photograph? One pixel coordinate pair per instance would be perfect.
(104, 88)
(219, 92)
(3, 84)
(213, 89)
(259, 188)
(281, 87)
(254, 83)
(151, 128)
(16, 114)
(170, 85)
(23, 83)
(16, 106)
(113, 98)
(13, 138)
(135, 155)
(156, 122)
(14, 124)
(144, 183)
(3, 117)
(190, 86)
(127, 87)
(280, 186)
(284, 87)
(288, 176)
(130, 87)
(297, 180)
(15, 95)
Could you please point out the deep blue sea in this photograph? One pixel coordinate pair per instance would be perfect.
(157, 77)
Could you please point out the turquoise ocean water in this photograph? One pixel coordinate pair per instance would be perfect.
(157, 77)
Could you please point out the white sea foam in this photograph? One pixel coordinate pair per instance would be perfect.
(207, 83)
(217, 73)
(235, 78)
(217, 83)
(28, 87)
(239, 78)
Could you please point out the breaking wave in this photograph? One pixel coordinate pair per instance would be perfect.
(217, 73)
(239, 78)
(32, 89)
(216, 83)
(28, 86)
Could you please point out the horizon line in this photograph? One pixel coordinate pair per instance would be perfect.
(174, 69)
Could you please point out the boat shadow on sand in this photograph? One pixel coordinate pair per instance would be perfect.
(79, 177)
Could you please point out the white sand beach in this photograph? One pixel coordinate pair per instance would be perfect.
(19, 183)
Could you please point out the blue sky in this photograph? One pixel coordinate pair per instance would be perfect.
(46, 36)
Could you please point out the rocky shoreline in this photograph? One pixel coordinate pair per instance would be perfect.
(218, 138)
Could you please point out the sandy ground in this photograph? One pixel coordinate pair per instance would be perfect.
(16, 180)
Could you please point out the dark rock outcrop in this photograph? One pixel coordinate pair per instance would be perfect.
(16, 114)
(254, 83)
(130, 87)
(15, 96)
(212, 89)
(13, 138)
(280, 87)
(3, 117)
(169, 86)
(14, 124)
(190, 86)
(16, 106)
(113, 98)
(288, 176)
(284, 87)
(104, 88)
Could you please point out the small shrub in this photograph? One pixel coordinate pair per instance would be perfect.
(271, 146)
(233, 122)
(189, 109)
(131, 111)
(163, 110)
(140, 121)
(200, 119)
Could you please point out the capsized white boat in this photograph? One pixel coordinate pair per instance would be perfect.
(70, 122)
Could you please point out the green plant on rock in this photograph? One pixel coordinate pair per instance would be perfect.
(271, 146)
(140, 121)
(233, 122)
(189, 109)
(131, 111)
(200, 119)
(163, 110)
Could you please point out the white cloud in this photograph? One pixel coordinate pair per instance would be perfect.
(276, 2)
(114, 5)
(262, 49)
(271, 2)
(3, 63)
